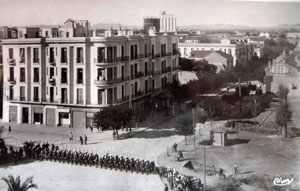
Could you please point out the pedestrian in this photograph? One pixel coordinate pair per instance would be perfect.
(85, 139)
(235, 169)
(81, 140)
(214, 169)
(166, 187)
(220, 173)
(9, 129)
(199, 184)
(71, 137)
(175, 147)
(91, 128)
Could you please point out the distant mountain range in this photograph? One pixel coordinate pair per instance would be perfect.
(293, 27)
(239, 27)
(205, 27)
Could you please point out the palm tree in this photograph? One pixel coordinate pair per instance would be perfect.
(15, 184)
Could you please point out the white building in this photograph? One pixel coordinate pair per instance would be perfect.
(168, 22)
(240, 51)
(63, 80)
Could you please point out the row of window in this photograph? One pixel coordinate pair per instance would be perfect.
(111, 53)
(22, 54)
(36, 74)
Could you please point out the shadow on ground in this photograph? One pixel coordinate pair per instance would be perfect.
(154, 134)
(231, 142)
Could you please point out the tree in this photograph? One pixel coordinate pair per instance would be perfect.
(203, 69)
(282, 92)
(184, 127)
(283, 116)
(201, 115)
(114, 117)
(177, 92)
(16, 185)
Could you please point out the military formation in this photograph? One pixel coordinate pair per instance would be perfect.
(53, 153)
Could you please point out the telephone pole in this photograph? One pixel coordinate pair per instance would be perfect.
(204, 168)
(194, 129)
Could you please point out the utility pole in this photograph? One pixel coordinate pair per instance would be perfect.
(194, 129)
(254, 110)
(204, 168)
(240, 95)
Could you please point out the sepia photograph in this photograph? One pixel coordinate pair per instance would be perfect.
(160, 95)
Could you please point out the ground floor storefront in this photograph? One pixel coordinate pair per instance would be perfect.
(50, 115)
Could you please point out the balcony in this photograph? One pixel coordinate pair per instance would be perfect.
(101, 61)
(22, 99)
(138, 94)
(120, 100)
(52, 81)
(175, 52)
(11, 61)
(175, 68)
(155, 55)
(22, 61)
(52, 61)
(137, 75)
(166, 54)
(156, 72)
(11, 80)
(168, 69)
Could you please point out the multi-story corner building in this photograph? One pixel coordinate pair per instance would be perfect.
(63, 80)
(240, 51)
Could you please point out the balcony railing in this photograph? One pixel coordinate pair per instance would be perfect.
(167, 54)
(157, 72)
(11, 61)
(36, 99)
(11, 80)
(22, 98)
(125, 98)
(156, 55)
(138, 75)
(52, 61)
(52, 81)
(168, 69)
(175, 52)
(102, 60)
(138, 94)
(22, 61)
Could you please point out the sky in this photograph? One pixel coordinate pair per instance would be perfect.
(261, 13)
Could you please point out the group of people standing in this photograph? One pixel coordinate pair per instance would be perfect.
(80, 137)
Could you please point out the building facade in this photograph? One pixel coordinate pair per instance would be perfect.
(240, 51)
(220, 59)
(64, 80)
(285, 70)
